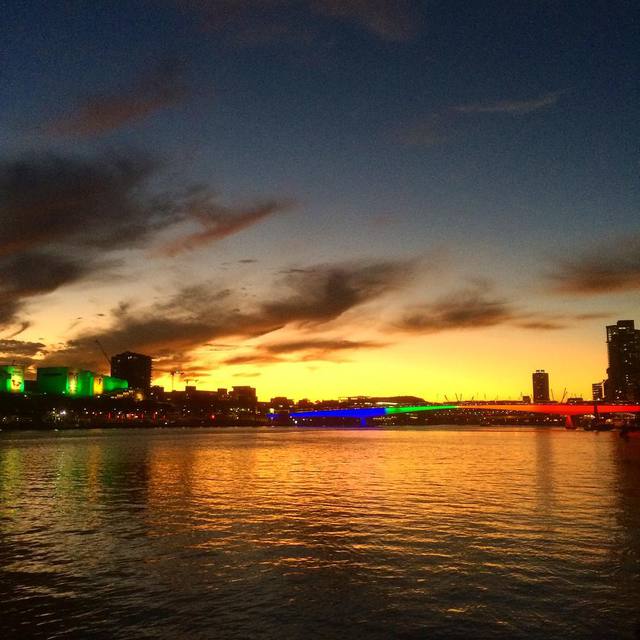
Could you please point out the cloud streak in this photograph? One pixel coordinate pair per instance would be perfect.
(305, 350)
(195, 316)
(155, 91)
(95, 203)
(106, 203)
(393, 20)
(32, 274)
(467, 309)
(264, 22)
(20, 348)
(514, 107)
(451, 122)
(611, 267)
(217, 222)
(477, 308)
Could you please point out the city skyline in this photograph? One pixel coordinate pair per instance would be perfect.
(321, 199)
(134, 371)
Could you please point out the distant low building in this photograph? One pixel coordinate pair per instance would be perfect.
(281, 403)
(243, 395)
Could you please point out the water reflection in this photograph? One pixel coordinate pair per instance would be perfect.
(272, 533)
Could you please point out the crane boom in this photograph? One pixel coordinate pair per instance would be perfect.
(104, 353)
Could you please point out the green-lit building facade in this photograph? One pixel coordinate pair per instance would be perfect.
(77, 383)
(11, 379)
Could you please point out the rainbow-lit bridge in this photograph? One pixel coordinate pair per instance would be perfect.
(556, 408)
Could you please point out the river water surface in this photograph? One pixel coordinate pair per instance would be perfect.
(319, 533)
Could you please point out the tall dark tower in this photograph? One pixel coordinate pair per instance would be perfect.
(540, 380)
(623, 349)
(134, 367)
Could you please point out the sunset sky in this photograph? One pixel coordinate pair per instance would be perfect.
(322, 198)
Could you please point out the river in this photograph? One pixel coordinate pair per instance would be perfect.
(507, 532)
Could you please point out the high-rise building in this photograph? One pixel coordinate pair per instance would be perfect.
(623, 350)
(134, 367)
(540, 380)
(597, 391)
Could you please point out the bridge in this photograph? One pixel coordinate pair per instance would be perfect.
(555, 408)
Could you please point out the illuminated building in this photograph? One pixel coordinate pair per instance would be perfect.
(11, 379)
(78, 383)
(623, 349)
(540, 380)
(133, 367)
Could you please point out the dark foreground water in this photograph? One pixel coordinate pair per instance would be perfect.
(319, 534)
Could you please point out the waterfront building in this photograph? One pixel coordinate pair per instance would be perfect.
(540, 379)
(623, 373)
(79, 383)
(11, 379)
(133, 367)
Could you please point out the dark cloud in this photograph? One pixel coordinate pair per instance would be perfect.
(106, 203)
(301, 350)
(217, 221)
(265, 22)
(20, 327)
(611, 267)
(325, 345)
(94, 203)
(476, 307)
(32, 274)
(542, 325)
(468, 309)
(199, 315)
(154, 91)
(20, 348)
(325, 292)
(257, 357)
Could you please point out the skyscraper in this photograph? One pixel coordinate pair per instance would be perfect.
(623, 349)
(540, 386)
(134, 367)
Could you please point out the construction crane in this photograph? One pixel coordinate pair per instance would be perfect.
(104, 353)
